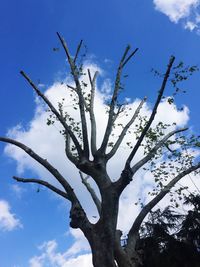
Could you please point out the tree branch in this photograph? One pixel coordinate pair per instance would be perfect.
(77, 214)
(91, 110)
(124, 131)
(75, 90)
(129, 57)
(75, 73)
(77, 51)
(55, 112)
(44, 183)
(125, 179)
(154, 111)
(91, 191)
(45, 164)
(149, 156)
(68, 152)
(146, 209)
(109, 126)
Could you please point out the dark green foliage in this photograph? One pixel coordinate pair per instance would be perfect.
(172, 239)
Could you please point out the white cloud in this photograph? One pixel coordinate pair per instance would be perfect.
(79, 261)
(36, 262)
(8, 220)
(80, 243)
(184, 11)
(175, 9)
(190, 25)
(18, 190)
(50, 257)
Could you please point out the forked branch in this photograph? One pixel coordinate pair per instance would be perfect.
(77, 51)
(75, 74)
(55, 112)
(124, 60)
(151, 153)
(124, 131)
(154, 111)
(46, 165)
(94, 196)
(78, 215)
(124, 180)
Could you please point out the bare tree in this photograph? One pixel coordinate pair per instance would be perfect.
(91, 160)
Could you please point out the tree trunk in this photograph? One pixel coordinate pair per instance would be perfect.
(102, 246)
(107, 250)
(124, 259)
(104, 254)
(103, 237)
(102, 241)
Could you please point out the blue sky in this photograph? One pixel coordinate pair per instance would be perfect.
(28, 36)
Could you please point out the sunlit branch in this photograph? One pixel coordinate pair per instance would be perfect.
(125, 129)
(71, 196)
(126, 178)
(119, 111)
(91, 111)
(68, 152)
(45, 164)
(55, 112)
(129, 57)
(75, 90)
(41, 182)
(75, 74)
(154, 111)
(91, 191)
(77, 51)
(151, 153)
(117, 87)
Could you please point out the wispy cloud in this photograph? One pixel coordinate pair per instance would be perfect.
(18, 190)
(186, 12)
(8, 220)
(77, 255)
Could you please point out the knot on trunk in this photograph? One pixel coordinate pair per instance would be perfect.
(127, 174)
(77, 216)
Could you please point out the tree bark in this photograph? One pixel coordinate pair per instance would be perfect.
(102, 250)
(104, 231)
